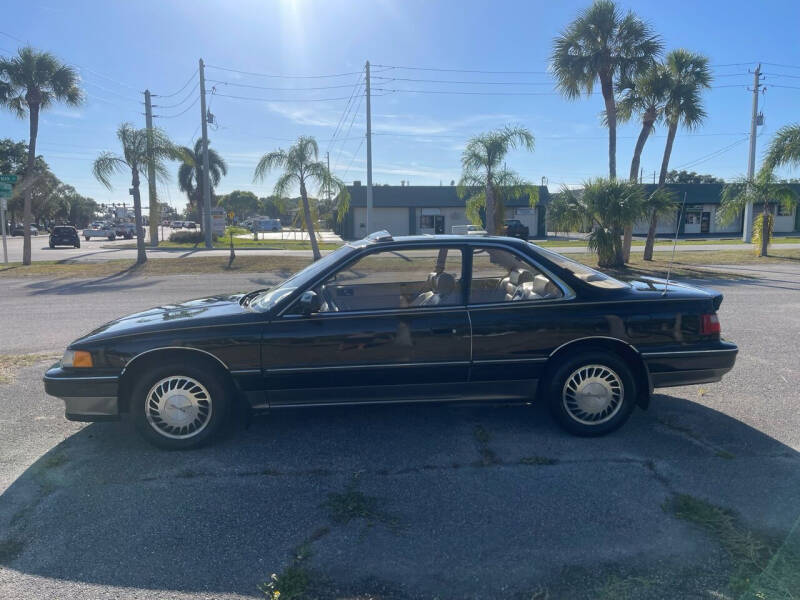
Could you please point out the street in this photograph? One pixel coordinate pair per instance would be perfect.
(423, 501)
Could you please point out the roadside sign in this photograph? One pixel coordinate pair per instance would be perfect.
(3, 204)
(8, 179)
(218, 221)
(6, 190)
(231, 215)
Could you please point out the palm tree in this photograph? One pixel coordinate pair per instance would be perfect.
(30, 82)
(785, 147)
(605, 205)
(765, 187)
(190, 174)
(688, 74)
(602, 45)
(134, 158)
(484, 176)
(301, 166)
(642, 95)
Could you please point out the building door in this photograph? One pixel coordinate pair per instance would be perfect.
(438, 224)
(705, 221)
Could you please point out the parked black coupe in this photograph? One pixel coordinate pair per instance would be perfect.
(401, 320)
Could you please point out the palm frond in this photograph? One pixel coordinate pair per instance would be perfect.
(106, 165)
(271, 160)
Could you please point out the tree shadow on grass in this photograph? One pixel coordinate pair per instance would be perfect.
(111, 508)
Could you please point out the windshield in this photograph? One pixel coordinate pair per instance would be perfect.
(581, 271)
(269, 298)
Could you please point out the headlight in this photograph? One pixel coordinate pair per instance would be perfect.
(77, 359)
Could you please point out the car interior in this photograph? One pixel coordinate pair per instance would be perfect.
(388, 280)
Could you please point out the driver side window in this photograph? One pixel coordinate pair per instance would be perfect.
(395, 279)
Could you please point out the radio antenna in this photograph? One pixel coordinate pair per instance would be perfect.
(674, 244)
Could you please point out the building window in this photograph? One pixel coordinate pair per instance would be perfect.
(784, 211)
(426, 222)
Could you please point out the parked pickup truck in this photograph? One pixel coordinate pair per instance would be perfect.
(100, 230)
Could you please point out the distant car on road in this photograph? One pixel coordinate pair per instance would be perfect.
(515, 228)
(467, 230)
(105, 230)
(410, 319)
(177, 224)
(20, 230)
(266, 225)
(190, 225)
(126, 230)
(64, 235)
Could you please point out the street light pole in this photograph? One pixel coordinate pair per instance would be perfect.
(369, 154)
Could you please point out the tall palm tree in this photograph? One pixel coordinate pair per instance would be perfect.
(785, 147)
(484, 173)
(602, 45)
(301, 167)
(642, 95)
(607, 206)
(764, 188)
(688, 75)
(134, 158)
(30, 82)
(190, 174)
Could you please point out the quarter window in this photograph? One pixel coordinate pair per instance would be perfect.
(397, 279)
(501, 276)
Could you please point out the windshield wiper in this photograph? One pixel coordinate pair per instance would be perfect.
(248, 297)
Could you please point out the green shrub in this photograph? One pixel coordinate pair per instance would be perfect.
(190, 237)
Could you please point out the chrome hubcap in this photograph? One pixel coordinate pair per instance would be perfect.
(178, 407)
(593, 394)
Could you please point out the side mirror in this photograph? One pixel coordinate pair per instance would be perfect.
(310, 302)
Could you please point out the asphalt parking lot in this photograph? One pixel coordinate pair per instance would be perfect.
(449, 502)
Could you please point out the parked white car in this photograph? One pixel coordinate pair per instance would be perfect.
(266, 225)
(104, 230)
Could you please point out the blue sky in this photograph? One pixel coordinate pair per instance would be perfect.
(121, 48)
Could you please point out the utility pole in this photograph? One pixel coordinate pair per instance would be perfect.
(369, 154)
(151, 171)
(328, 162)
(747, 225)
(206, 187)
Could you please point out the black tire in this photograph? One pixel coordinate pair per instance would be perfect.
(78, 244)
(600, 365)
(111, 238)
(219, 400)
(87, 238)
(52, 246)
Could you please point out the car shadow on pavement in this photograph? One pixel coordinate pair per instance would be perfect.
(447, 501)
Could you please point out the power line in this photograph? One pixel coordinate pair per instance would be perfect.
(283, 89)
(464, 70)
(711, 155)
(350, 106)
(467, 93)
(254, 74)
(781, 65)
(788, 87)
(388, 79)
(183, 87)
(352, 160)
(110, 91)
(281, 99)
(180, 113)
(185, 98)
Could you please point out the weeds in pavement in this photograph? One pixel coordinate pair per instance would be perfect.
(292, 584)
(537, 461)
(758, 573)
(51, 461)
(353, 504)
(10, 363)
(619, 588)
(483, 437)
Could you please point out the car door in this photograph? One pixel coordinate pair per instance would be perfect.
(517, 315)
(393, 327)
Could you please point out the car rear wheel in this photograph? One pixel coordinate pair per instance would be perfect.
(592, 393)
(180, 406)
(52, 245)
(77, 243)
(86, 237)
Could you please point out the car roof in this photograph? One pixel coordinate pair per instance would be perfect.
(384, 238)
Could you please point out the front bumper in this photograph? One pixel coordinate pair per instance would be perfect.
(689, 367)
(86, 397)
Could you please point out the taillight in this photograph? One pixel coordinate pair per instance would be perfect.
(710, 324)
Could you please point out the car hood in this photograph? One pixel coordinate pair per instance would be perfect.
(216, 310)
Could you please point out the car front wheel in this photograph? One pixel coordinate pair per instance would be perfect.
(592, 393)
(179, 406)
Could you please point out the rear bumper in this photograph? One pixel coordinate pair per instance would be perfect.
(689, 367)
(86, 398)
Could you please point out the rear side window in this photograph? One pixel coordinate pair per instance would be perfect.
(501, 276)
(582, 272)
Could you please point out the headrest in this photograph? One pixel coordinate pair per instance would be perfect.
(521, 276)
(444, 284)
(544, 287)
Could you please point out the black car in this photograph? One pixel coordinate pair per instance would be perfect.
(515, 228)
(19, 230)
(64, 235)
(418, 318)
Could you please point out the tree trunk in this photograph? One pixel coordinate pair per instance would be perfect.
(766, 230)
(607, 87)
(647, 126)
(309, 225)
(141, 255)
(662, 178)
(491, 217)
(33, 110)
